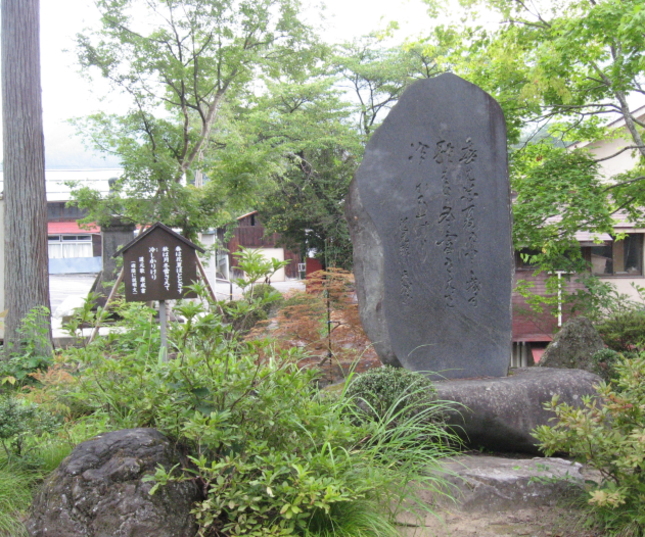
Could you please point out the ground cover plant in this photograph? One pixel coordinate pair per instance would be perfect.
(274, 454)
(608, 433)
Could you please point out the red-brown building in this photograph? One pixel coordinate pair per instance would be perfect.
(250, 233)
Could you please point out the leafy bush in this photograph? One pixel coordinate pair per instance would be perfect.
(31, 356)
(624, 331)
(609, 434)
(399, 391)
(21, 421)
(603, 363)
(274, 455)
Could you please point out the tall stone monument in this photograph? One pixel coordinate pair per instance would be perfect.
(429, 214)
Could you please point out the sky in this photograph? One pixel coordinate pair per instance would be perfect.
(67, 94)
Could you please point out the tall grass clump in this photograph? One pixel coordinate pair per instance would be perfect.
(15, 496)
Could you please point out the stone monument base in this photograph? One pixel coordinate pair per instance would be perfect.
(499, 413)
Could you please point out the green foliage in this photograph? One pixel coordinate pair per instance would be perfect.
(608, 433)
(559, 192)
(387, 389)
(255, 267)
(15, 496)
(31, 353)
(273, 454)
(21, 421)
(598, 300)
(185, 70)
(624, 331)
(87, 315)
(604, 364)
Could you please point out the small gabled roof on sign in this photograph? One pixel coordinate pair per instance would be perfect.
(165, 228)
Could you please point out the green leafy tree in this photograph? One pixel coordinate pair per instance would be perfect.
(566, 69)
(182, 63)
(376, 76)
(310, 122)
(328, 120)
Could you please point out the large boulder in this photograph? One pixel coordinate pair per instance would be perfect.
(98, 491)
(573, 346)
(499, 414)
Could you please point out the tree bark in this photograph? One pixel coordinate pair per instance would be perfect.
(26, 257)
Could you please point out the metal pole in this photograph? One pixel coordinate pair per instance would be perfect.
(163, 322)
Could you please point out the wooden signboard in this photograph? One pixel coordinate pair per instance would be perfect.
(158, 265)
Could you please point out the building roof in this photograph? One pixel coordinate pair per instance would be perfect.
(70, 228)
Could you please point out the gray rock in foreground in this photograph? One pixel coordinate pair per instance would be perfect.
(500, 413)
(486, 483)
(97, 491)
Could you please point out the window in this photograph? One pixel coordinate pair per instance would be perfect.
(64, 246)
(619, 258)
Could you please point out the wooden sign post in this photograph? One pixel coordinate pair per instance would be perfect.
(158, 265)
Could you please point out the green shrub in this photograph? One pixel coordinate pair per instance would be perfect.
(20, 422)
(274, 455)
(34, 350)
(394, 390)
(624, 331)
(603, 363)
(608, 433)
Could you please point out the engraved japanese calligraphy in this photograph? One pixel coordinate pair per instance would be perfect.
(429, 215)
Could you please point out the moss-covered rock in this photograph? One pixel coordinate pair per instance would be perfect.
(99, 490)
(573, 346)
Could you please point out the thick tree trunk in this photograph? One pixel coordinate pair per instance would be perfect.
(26, 259)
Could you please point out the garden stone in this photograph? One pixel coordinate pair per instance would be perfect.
(429, 216)
(500, 414)
(98, 491)
(573, 346)
(487, 483)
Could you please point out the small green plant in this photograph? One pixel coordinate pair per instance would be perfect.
(20, 421)
(88, 315)
(608, 433)
(393, 389)
(624, 331)
(255, 267)
(603, 364)
(33, 351)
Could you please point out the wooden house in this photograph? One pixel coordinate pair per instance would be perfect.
(249, 233)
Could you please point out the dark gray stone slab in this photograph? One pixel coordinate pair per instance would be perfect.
(429, 214)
